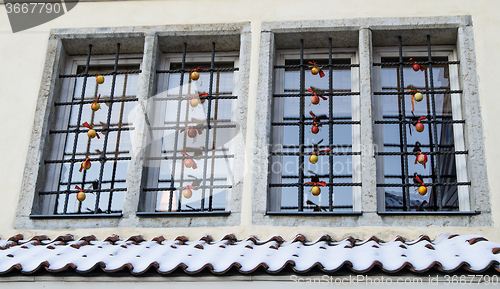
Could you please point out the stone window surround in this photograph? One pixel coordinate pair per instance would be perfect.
(474, 139)
(150, 42)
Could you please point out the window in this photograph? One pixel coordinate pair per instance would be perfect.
(437, 181)
(144, 122)
(87, 174)
(191, 155)
(315, 142)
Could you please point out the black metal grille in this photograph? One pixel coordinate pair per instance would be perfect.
(107, 183)
(303, 122)
(438, 152)
(208, 154)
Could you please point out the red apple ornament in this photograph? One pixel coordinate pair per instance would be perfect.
(315, 69)
(315, 98)
(421, 158)
(422, 189)
(95, 105)
(85, 165)
(99, 79)
(80, 196)
(420, 126)
(314, 158)
(189, 162)
(416, 66)
(187, 193)
(91, 133)
(195, 75)
(317, 124)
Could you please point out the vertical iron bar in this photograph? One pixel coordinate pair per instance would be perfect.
(184, 143)
(431, 140)
(207, 137)
(404, 160)
(77, 132)
(434, 124)
(106, 135)
(301, 130)
(330, 128)
(214, 138)
(176, 137)
(117, 145)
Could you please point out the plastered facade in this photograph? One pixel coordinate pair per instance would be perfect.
(24, 57)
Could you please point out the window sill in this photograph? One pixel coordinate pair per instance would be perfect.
(76, 216)
(314, 213)
(183, 214)
(453, 213)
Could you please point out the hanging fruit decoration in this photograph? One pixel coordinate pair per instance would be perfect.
(194, 101)
(189, 162)
(195, 75)
(99, 79)
(416, 66)
(420, 126)
(417, 96)
(191, 132)
(315, 190)
(91, 133)
(317, 123)
(85, 165)
(315, 98)
(80, 196)
(314, 158)
(187, 193)
(422, 189)
(421, 158)
(315, 69)
(95, 105)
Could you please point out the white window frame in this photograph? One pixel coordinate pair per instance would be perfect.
(458, 129)
(274, 201)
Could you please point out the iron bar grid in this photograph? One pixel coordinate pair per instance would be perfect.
(304, 120)
(178, 126)
(433, 120)
(78, 103)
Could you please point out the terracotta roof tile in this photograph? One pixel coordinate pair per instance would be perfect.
(447, 253)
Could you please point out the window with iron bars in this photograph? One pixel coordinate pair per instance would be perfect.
(315, 132)
(190, 153)
(86, 166)
(419, 134)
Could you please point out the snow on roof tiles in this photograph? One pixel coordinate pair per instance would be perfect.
(447, 253)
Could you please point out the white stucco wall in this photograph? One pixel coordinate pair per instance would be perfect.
(22, 56)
